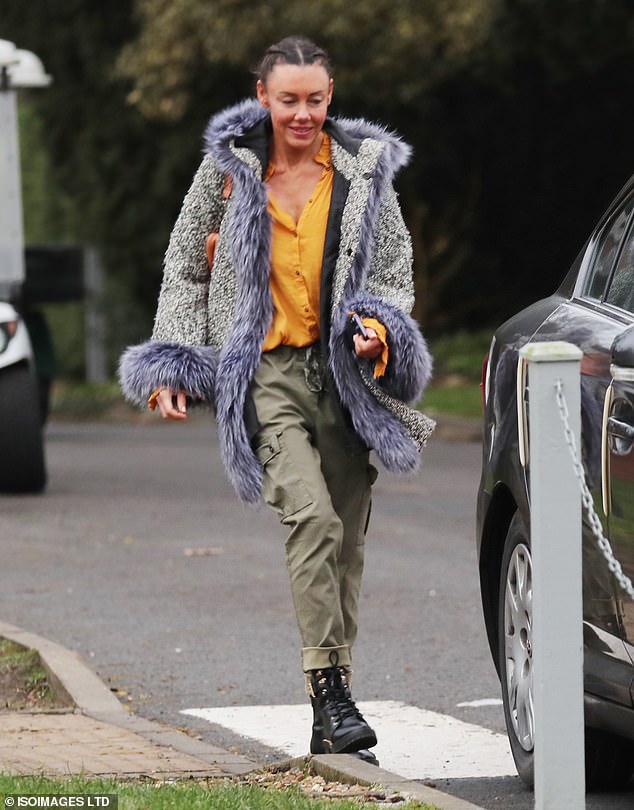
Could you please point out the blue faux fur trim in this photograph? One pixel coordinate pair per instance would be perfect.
(396, 154)
(409, 356)
(157, 363)
(393, 156)
(410, 363)
(377, 426)
(240, 357)
(229, 124)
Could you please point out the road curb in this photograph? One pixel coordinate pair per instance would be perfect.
(76, 682)
(350, 770)
(71, 679)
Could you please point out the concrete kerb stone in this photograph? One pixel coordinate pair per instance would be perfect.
(350, 770)
(69, 677)
(72, 679)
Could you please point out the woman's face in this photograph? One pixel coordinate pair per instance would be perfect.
(297, 97)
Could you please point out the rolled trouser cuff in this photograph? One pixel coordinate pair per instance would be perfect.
(320, 657)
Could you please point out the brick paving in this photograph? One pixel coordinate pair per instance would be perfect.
(64, 744)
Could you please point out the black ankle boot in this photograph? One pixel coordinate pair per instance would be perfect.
(340, 724)
(317, 745)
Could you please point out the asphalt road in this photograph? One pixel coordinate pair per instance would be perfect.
(139, 557)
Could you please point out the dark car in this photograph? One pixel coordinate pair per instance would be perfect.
(593, 309)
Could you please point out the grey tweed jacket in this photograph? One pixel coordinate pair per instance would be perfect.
(210, 324)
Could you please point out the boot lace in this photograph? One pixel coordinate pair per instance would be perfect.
(346, 707)
(333, 685)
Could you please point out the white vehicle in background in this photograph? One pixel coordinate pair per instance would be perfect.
(21, 441)
(21, 449)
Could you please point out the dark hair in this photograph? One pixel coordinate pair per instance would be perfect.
(292, 51)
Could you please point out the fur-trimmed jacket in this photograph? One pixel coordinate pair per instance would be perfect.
(211, 324)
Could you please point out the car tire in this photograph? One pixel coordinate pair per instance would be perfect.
(609, 759)
(515, 621)
(21, 441)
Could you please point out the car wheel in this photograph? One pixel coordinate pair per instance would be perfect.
(515, 651)
(21, 442)
(609, 759)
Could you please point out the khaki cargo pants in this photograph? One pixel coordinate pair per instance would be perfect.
(322, 492)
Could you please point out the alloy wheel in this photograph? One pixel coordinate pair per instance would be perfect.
(518, 641)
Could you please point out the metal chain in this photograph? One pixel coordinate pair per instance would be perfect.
(597, 529)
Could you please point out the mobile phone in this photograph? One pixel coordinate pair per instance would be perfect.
(359, 324)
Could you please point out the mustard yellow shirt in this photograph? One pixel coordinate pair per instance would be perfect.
(297, 251)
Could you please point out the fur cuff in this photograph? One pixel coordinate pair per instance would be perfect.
(157, 363)
(378, 427)
(410, 363)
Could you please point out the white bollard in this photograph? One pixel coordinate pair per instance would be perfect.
(557, 583)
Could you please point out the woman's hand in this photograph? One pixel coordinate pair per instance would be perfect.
(370, 347)
(165, 402)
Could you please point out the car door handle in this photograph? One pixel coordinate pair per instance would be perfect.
(620, 429)
(621, 436)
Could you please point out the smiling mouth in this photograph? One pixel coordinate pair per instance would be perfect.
(301, 131)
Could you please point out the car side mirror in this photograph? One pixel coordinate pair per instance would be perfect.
(623, 349)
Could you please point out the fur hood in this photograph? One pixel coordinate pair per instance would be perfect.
(235, 122)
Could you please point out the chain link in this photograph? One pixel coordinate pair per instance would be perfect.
(597, 529)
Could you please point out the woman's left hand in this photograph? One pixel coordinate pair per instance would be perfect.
(370, 347)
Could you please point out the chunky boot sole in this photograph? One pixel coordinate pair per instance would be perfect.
(365, 756)
(318, 746)
(354, 741)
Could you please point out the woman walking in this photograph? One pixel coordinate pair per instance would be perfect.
(285, 304)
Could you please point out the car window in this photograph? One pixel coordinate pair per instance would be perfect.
(621, 291)
(606, 250)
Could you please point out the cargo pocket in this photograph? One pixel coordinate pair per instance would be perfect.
(283, 488)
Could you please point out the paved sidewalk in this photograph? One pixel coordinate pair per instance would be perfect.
(62, 744)
(100, 738)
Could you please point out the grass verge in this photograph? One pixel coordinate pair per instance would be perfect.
(24, 681)
(219, 795)
(75, 400)
(460, 399)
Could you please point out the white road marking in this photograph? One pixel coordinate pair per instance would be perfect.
(414, 743)
(476, 704)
